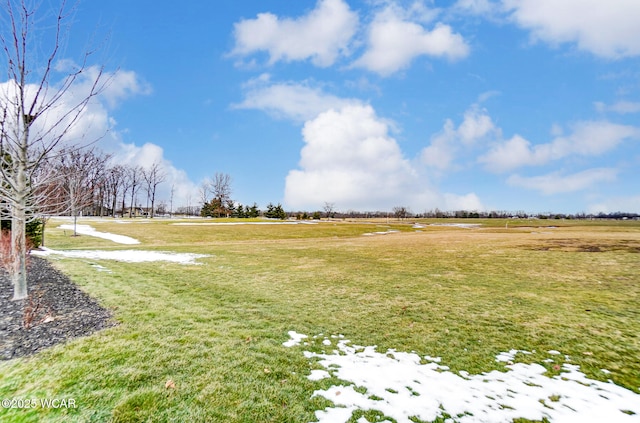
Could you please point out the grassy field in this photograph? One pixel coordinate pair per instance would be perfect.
(215, 330)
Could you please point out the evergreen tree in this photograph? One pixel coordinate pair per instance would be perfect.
(253, 211)
(239, 212)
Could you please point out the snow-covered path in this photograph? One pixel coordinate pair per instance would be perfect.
(90, 231)
(129, 256)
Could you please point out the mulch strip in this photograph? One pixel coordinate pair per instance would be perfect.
(56, 310)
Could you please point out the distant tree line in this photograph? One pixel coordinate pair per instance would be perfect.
(402, 213)
(523, 215)
(91, 184)
(86, 182)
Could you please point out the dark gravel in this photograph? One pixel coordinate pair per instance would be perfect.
(59, 311)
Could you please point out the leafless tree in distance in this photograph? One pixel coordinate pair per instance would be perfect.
(134, 175)
(153, 176)
(329, 209)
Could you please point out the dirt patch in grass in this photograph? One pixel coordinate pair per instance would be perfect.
(56, 310)
(580, 245)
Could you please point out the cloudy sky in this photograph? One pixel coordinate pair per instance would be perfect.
(369, 104)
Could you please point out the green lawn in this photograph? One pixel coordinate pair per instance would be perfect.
(216, 329)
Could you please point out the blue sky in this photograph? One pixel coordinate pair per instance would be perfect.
(512, 105)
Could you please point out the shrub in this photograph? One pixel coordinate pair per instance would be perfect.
(33, 229)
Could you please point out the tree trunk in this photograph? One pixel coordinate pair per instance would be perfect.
(114, 204)
(153, 203)
(19, 220)
(44, 224)
(133, 193)
(19, 253)
(74, 209)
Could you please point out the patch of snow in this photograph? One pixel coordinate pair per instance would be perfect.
(318, 375)
(129, 256)
(296, 338)
(402, 388)
(554, 352)
(509, 356)
(326, 342)
(390, 231)
(458, 225)
(434, 359)
(100, 268)
(242, 223)
(333, 415)
(90, 231)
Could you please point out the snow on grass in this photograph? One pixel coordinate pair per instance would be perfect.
(390, 231)
(458, 225)
(243, 223)
(405, 386)
(296, 338)
(508, 357)
(129, 256)
(100, 268)
(90, 231)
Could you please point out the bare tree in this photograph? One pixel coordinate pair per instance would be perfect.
(204, 191)
(153, 176)
(98, 180)
(81, 172)
(173, 191)
(329, 209)
(126, 185)
(36, 115)
(221, 190)
(189, 203)
(114, 184)
(162, 207)
(134, 175)
(401, 212)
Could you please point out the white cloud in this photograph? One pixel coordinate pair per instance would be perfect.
(185, 191)
(322, 35)
(477, 125)
(297, 101)
(71, 118)
(475, 7)
(350, 159)
(630, 204)
(113, 87)
(589, 138)
(509, 155)
(395, 38)
(122, 85)
(441, 152)
(621, 107)
(462, 202)
(605, 28)
(556, 182)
